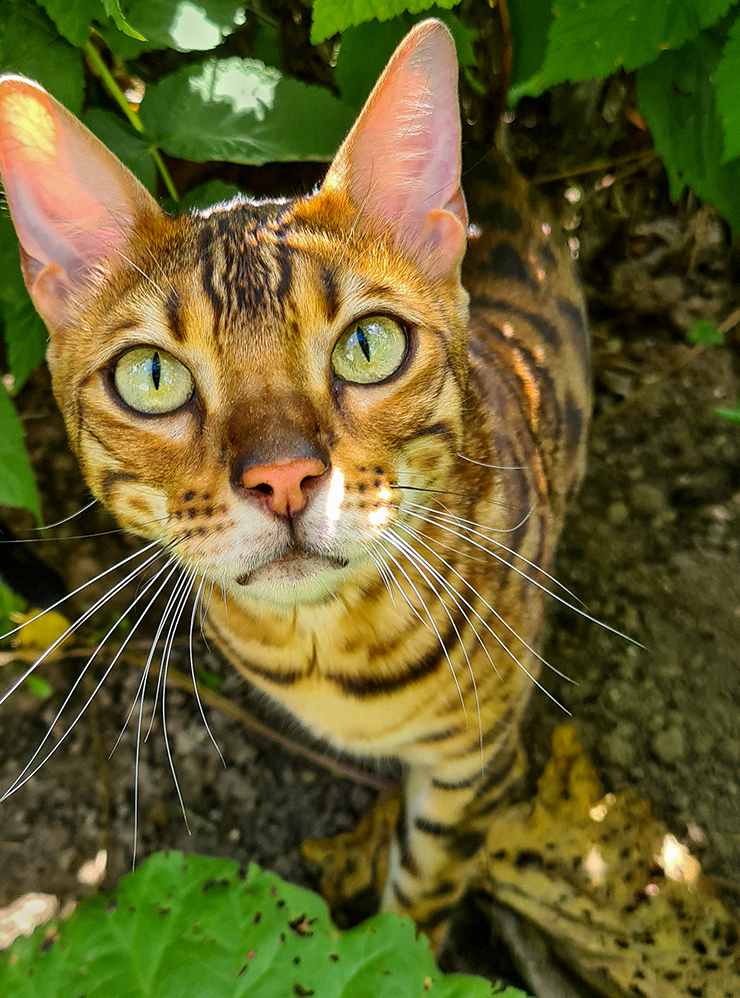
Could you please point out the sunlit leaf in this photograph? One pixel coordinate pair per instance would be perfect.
(191, 925)
(185, 25)
(600, 36)
(242, 111)
(113, 9)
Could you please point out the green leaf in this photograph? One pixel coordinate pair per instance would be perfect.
(31, 45)
(530, 22)
(9, 604)
(705, 332)
(113, 9)
(209, 679)
(208, 194)
(731, 415)
(728, 73)
(127, 144)
(24, 332)
(366, 48)
(73, 19)
(39, 687)
(187, 26)
(17, 485)
(676, 95)
(242, 111)
(26, 337)
(188, 925)
(333, 16)
(600, 36)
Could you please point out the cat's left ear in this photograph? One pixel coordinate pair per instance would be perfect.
(401, 162)
(73, 204)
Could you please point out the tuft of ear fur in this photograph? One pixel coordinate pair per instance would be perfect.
(73, 204)
(400, 163)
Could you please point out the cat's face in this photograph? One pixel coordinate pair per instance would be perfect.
(260, 385)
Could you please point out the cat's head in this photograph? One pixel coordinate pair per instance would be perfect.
(261, 385)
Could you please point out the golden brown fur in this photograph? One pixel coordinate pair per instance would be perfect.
(452, 476)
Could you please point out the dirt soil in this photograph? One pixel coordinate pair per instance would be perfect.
(651, 546)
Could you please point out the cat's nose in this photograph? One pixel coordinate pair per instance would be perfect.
(285, 484)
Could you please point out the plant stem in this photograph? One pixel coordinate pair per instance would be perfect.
(120, 98)
(165, 173)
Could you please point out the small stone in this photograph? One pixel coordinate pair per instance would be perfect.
(669, 746)
(704, 743)
(616, 749)
(617, 512)
(647, 500)
(729, 750)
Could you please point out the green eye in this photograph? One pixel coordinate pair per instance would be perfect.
(369, 350)
(152, 381)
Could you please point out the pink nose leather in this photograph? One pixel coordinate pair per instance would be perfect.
(283, 483)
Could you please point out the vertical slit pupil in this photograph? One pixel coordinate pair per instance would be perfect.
(362, 340)
(156, 370)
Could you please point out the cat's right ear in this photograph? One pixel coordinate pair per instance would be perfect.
(73, 204)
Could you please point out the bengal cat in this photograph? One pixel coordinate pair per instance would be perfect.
(360, 430)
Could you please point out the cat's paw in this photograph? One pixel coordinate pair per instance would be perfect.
(354, 865)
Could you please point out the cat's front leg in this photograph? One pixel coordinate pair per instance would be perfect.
(441, 834)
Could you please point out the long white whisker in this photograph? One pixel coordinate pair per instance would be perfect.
(422, 565)
(480, 530)
(429, 615)
(493, 467)
(80, 620)
(79, 589)
(166, 653)
(587, 616)
(511, 630)
(19, 780)
(50, 526)
(402, 592)
(177, 589)
(173, 566)
(497, 615)
(192, 668)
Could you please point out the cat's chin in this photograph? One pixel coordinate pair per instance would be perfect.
(296, 577)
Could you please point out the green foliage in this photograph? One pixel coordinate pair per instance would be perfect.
(731, 415)
(677, 96)
(366, 48)
(705, 332)
(190, 925)
(17, 485)
(31, 44)
(9, 604)
(332, 16)
(39, 687)
(242, 111)
(113, 10)
(601, 36)
(186, 26)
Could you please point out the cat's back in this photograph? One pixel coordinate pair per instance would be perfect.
(528, 341)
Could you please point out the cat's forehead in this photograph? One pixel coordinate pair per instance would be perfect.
(267, 270)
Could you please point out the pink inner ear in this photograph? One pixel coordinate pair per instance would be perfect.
(72, 203)
(402, 157)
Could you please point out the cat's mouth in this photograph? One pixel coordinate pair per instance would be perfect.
(296, 565)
